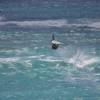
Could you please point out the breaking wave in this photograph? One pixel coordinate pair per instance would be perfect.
(54, 23)
(44, 23)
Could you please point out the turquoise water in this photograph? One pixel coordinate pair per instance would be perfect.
(30, 69)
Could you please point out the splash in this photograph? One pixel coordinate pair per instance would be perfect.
(81, 60)
(78, 57)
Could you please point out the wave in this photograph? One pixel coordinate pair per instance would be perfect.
(72, 55)
(89, 23)
(44, 23)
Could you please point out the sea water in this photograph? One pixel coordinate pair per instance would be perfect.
(30, 69)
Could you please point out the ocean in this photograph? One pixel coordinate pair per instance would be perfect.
(30, 69)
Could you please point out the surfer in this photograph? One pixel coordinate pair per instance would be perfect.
(55, 44)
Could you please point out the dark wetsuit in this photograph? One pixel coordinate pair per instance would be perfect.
(55, 46)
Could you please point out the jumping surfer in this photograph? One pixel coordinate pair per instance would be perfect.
(55, 44)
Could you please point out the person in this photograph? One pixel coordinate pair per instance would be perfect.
(55, 44)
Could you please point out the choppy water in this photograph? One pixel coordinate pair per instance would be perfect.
(30, 69)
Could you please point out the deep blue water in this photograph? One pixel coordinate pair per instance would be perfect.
(30, 69)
